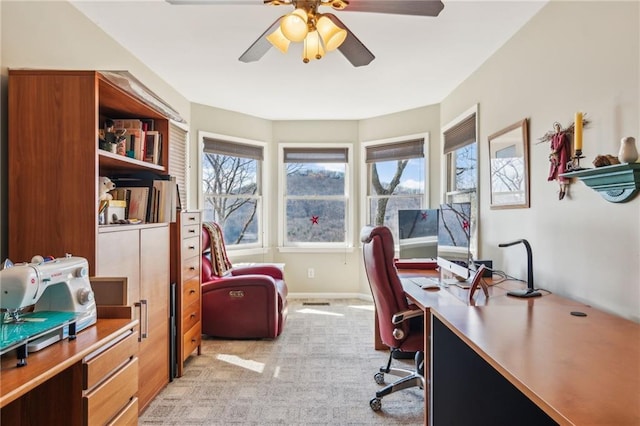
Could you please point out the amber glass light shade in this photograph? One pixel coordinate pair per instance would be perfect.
(294, 25)
(332, 35)
(312, 47)
(278, 39)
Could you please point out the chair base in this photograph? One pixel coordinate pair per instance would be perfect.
(408, 379)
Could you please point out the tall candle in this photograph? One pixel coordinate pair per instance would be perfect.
(577, 133)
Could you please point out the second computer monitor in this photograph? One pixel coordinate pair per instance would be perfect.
(454, 231)
(418, 233)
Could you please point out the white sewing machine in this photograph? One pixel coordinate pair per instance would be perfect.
(56, 285)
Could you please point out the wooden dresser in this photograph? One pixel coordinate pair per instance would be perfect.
(90, 380)
(185, 273)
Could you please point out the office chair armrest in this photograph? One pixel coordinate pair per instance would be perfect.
(405, 315)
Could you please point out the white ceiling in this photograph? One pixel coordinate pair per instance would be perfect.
(419, 60)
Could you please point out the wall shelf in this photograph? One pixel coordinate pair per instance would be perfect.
(618, 183)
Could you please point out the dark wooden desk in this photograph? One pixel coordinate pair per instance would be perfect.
(577, 370)
(537, 357)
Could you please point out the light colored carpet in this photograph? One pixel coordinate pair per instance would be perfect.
(318, 372)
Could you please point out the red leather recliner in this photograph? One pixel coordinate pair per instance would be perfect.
(246, 302)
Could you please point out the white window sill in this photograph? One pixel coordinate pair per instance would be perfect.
(315, 249)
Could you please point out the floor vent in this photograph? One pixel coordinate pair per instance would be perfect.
(315, 303)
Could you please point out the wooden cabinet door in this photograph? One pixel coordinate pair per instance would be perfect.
(119, 256)
(154, 288)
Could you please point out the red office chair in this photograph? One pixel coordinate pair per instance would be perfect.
(393, 311)
(243, 302)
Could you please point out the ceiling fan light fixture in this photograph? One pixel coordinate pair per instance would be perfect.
(294, 25)
(278, 40)
(332, 35)
(312, 47)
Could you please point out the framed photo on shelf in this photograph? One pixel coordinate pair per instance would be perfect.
(152, 147)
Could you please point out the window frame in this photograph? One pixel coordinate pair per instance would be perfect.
(261, 246)
(365, 175)
(314, 247)
(447, 175)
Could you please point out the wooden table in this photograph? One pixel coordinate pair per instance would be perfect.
(577, 370)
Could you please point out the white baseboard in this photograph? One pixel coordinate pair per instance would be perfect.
(312, 296)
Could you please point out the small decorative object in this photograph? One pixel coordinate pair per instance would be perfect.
(628, 152)
(314, 220)
(121, 146)
(109, 137)
(605, 160)
(560, 157)
(104, 186)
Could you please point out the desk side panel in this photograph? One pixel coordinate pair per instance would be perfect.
(466, 390)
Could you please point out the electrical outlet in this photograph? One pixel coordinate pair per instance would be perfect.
(311, 273)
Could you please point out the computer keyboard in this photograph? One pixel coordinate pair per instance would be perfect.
(424, 282)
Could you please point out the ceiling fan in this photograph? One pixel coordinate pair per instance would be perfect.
(322, 32)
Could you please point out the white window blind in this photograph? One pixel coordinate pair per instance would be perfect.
(462, 134)
(395, 151)
(233, 149)
(316, 155)
(178, 166)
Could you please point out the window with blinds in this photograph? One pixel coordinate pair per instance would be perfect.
(396, 179)
(316, 204)
(460, 149)
(232, 189)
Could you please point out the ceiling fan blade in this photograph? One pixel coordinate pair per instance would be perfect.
(398, 7)
(214, 2)
(352, 48)
(260, 46)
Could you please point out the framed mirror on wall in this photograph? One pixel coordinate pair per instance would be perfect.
(509, 166)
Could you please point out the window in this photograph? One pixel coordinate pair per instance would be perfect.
(232, 188)
(396, 179)
(461, 166)
(315, 192)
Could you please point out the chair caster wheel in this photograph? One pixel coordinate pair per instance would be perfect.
(375, 404)
(379, 378)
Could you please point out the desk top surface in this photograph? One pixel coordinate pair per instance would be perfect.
(46, 363)
(578, 369)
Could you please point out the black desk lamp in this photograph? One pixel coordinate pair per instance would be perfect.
(530, 291)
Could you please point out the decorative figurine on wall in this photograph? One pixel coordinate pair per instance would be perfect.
(560, 158)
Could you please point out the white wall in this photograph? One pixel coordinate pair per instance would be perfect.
(572, 56)
(54, 35)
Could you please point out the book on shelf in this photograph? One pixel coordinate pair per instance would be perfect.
(123, 195)
(153, 142)
(161, 193)
(134, 135)
(138, 204)
(127, 123)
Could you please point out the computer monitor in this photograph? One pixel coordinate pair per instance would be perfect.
(418, 233)
(454, 231)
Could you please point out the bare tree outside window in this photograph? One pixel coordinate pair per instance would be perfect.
(395, 185)
(380, 188)
(231, 196)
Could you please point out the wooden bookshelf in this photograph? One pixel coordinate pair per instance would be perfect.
(54, 162)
